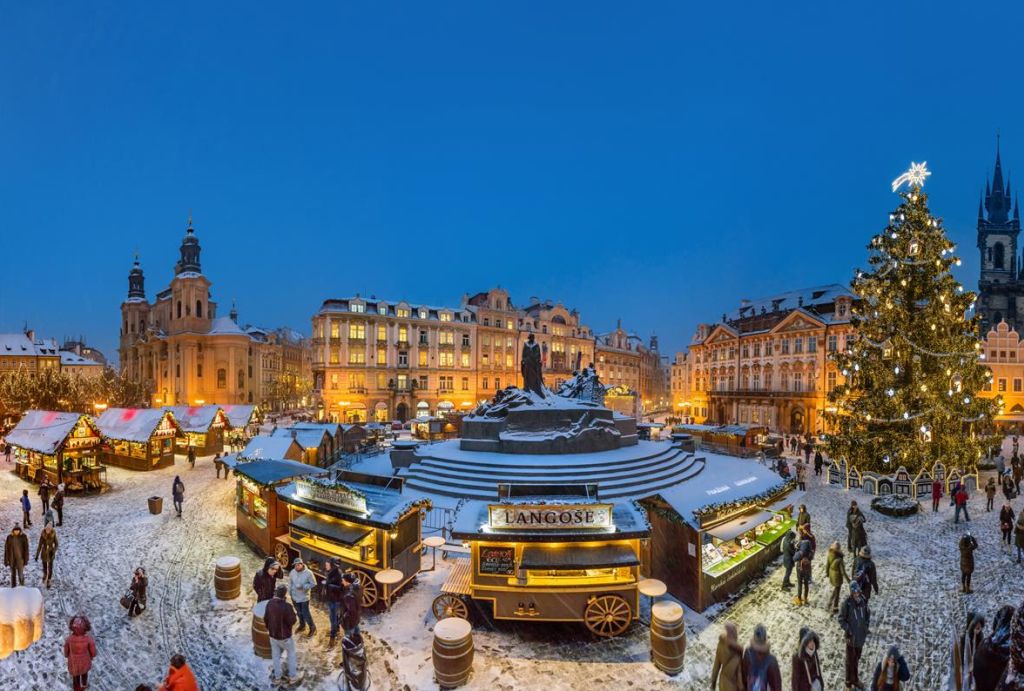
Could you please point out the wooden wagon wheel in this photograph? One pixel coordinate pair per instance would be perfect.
(368, 587)
(282, 555)
(448, 605)
(607, 615)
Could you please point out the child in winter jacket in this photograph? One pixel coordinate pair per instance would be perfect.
(79, 649)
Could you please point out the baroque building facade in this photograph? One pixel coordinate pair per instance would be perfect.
(186, 354)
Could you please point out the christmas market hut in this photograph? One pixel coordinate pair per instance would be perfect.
(61, 447)
(550, 553)
(260, 517)
(203, 427)
(352, 437)
(334, 431)
(316, 443)
(242, 418)
(366, 521)
(137, 438)
(275, 448)
(719, 529)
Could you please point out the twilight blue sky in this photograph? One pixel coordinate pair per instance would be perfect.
(655, 161)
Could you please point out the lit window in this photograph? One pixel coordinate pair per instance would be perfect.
(423, 314)
(422, 359)
(357, 331)
(335, 330)
(1016, 385)
(1002, 385)
(464, 359)
(402, 312)
(382, 333)
(357, 357)
(446, 316)
(446, 359)
(446, 337)
(358, 307)
(465, 383)
(382, 356)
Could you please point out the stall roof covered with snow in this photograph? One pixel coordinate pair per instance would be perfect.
(272, 471)
(277, 448)
(132, 424)
(240, 416)
(47, 431)
(307, 438)
(373, 500)
(197, 418)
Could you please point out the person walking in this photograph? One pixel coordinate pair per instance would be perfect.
(854, 510)
(1018, 536)
(218, 464)
(44, 494)
(891, 672)
(803, 577)
(1008, 486)
(788, 558)
(58, 504)
(806, 671)
(16, 555)
(265, 580)
(26, 509)
(837, 576)
(191, 458)
(727, 670)
(936, 494)
(178, 494)
(967, 546)
(819, 463)
(1006, 520)
(855, 621)
(865, 572)
(47, 548)
(7, 451)
(964, 648)
(760, 668)
(858, 531)
(1017, 467)
(79, 649)
(300, 582)
(990, 493)
(352, 607)
(801, 480)
(960, 498)
(993, 653)
(180, 676)
(280, 618)
(334, 593)
(138, 587)
(802, 517)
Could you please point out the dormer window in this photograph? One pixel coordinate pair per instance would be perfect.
(358, 307)
(446, 316)
(423, 314)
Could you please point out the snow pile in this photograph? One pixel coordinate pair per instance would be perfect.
(21, 619)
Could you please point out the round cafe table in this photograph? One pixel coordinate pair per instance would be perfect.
(651, 588)
(388, 577)
(433, 542)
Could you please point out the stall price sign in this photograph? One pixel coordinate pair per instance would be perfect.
(499, 561)
(337, 495)
(550, 517)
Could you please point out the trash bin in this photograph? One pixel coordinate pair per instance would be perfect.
(156, 505)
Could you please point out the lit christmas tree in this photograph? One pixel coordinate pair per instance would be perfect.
(913, 373)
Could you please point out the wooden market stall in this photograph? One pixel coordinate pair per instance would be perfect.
(260, 517)
(334, 432)
(366, 521)
(352, 437)
(203, 427)
(316, 443)
(137, 438)
(550, 553)
(719, 529)
(266, 447)
(61, 447)
(242, 418)
(738, 440)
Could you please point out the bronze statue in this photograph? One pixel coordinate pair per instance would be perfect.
(533, 380)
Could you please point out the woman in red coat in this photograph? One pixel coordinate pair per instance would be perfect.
(79, 649)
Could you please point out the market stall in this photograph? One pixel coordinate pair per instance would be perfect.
(550, 553)
(737, 440)
(137, 438)
(719, 529)
(352, 438)
(334, 433)
(61, 447)
(203, 427)
(260, 517)
(316, 443)
(366, 521)
(266, 447)
(243, 419)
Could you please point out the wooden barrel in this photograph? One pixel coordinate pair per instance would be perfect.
(260, 637)
(668, 637)
(453, 652)
(227, 578)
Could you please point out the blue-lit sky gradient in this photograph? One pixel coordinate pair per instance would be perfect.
(650, 161)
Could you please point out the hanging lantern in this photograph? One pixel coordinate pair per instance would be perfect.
(915, 248)
(926, 433)
(887, 349)
(958, 383)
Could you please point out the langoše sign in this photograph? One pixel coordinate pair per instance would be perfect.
(549, 517)
(336, 495)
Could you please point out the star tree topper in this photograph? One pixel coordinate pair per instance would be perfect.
(915, 176)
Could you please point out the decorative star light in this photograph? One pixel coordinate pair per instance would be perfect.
(915, 176)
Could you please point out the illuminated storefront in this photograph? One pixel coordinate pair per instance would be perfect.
(61, 447)
(137, 438)
(260, 517)
(203, 427)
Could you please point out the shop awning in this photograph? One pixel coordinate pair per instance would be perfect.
(329, 530)
(736, 527)
(572, 557)
(791, 499)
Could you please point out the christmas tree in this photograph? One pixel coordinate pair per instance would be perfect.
(913, 373)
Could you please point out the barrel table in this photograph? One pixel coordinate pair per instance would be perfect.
(227, 578)
(453, 652)
(668, 637)
(260, 637)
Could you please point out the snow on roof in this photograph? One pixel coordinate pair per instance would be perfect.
(43, 430)
(307, 438)
(385, 505)
(269, 471)
(129, 424)
(332, 428)
(20, 344)
(238, 415)
(222, 326)
(724, 479)
(262, 447)
(68, 357)
(815, 295)
(194, 418)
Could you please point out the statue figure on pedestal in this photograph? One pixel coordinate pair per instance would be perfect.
(533, 379)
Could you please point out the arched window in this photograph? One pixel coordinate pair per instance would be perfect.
(222, 378)
(179, 309)
(199, 308)
(999, 258)
(241, 379)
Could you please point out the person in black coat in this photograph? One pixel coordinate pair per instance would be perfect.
(891, 672)
(138, 590)
(818, 463)
(265, 580)
(334, 593)
(993, 653)
(854, 510)
(967, 546)
(788, 558)
(1006, 519)
(865, 572)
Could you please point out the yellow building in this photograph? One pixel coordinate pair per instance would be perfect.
(632, 370)
(1004, 355)
(181, 349)
(23, 351)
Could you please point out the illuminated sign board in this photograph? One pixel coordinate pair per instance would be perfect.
(550, 516)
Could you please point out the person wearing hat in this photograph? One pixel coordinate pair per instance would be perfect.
(266, 578)
(855, 621)
(16, 555)
(891, 672)
(727, 670)
(967, 546)
(789, 546)
(837, 576)
(58, 504)
(280, 618)
(865, 573)
(760, 668)
(300, 582)
(806, 671)
(334, 593)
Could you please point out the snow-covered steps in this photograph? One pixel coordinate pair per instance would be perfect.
(634, 472)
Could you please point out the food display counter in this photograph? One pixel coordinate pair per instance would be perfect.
(138, 438)
(60, 447)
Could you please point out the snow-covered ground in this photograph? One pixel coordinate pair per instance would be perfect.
(106, 536)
